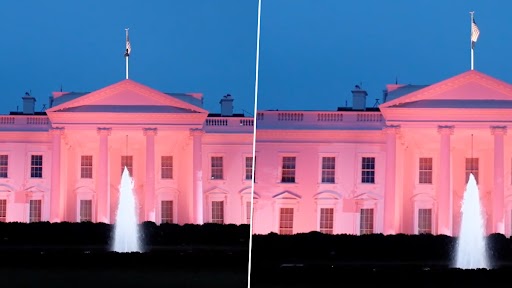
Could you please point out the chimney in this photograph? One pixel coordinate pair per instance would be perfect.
(359, 98)
(226, 106)
(29, 103)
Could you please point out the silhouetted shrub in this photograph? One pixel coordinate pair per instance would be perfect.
(100, 234)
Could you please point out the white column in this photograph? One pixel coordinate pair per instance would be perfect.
(149, 190)
(56, 211)
(498, 193)
(390, 188)
(444, 194)
(102, 189)
(197, 167)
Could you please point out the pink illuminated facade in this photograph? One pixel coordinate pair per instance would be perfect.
(398, 168)
(189, 166)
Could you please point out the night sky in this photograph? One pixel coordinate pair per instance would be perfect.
(177, 46)
(313, 52)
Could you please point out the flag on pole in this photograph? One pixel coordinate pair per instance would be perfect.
(128, 46)
(474, 33)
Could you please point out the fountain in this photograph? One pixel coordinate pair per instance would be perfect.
(471, 244)
(126, 233)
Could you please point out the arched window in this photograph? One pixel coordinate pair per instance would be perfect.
(327, 207)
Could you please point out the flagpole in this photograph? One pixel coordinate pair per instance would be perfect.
(471, 43)
(126, 55)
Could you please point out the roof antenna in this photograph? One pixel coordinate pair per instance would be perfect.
(60, 87)
(376, 103)
(396, 80)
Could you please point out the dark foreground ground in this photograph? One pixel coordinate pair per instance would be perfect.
(95, 267)
(377, 275)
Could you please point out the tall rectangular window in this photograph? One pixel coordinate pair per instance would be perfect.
(248, 212)
(127, 161)
(424, 221)
(327, 220)
(36, 166)
(167, 167)
(34, 211)
(248, 168)
(85, 210)
(288, 170)
(471, 167)
(218, 212)
(368, 170)
(286, 221)
(366, 221)
(4, 166)
(86, 167)
(217, 168)
(425, 171)
(328, 169)
(3, 210)
(167, 211)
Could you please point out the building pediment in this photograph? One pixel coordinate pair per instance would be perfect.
(127, 96)
(128, 103)
(286, 195)
(467, 90)
(327, 195)
(468, 96)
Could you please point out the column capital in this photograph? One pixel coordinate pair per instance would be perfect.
(391, 129)
(498, 130)
(445, 130)
(196, 132)
(150, 131)
(57, 130)
(104, 131)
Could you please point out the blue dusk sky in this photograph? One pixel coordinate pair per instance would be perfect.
(313, 52)
(177, 46)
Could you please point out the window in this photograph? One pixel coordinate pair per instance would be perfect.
(327, 220)
(167, 212)
(167, 167)
(288, 170)
(366, 221)
(218, 212)
(217, 168)
(36, 166)
(424, 221)
(3, 210)
(368, 170)
(127, 161)
(34, 211)
(85, 210)
(4, 164)
(471, 167)
(425, 171)
(86, 167)
(248, 212)
(248, 168)
(286, 221)
(328, 169)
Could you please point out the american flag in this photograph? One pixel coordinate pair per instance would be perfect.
(474, 33)
(128, 46)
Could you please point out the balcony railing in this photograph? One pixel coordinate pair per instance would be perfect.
(24, 123)
(319, 120)
(229, 124)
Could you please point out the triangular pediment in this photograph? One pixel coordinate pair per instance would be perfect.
(130, 97)
(287, 195)
(471, 89)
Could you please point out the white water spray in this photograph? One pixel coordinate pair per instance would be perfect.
(471, 245)
(126, 234)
